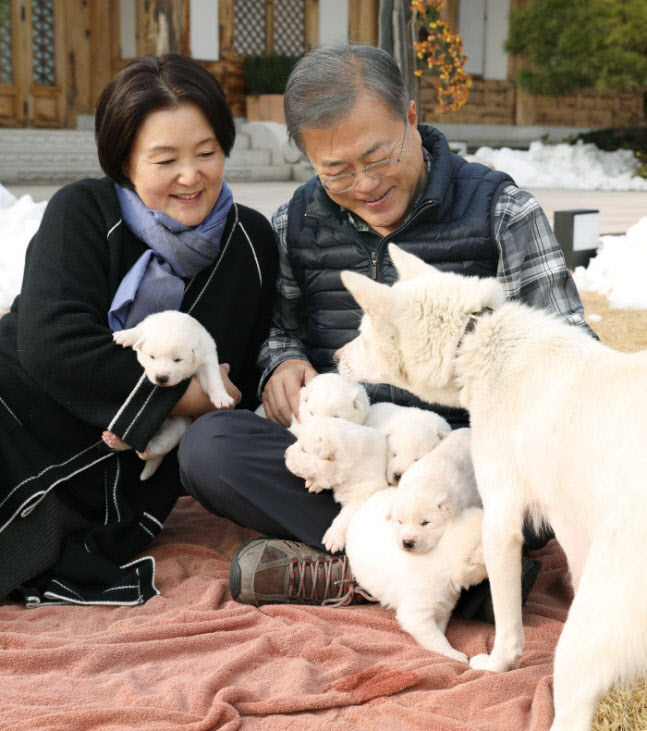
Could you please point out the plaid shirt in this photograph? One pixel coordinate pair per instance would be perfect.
(531, 269)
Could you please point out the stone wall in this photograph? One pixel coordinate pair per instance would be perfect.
(502, 102)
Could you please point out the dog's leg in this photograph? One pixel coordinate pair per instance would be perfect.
(334, 538)
(150, 467)
(208, 374)
(502, 540)
(126, 338)
(419, 623)
(167, 437)
(575, 544)
(603, 641)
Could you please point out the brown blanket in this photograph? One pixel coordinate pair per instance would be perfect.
(192, 658)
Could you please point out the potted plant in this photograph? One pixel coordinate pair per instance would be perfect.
(265, 78)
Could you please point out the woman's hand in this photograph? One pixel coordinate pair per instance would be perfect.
(193, 404)
(195, 401)
(114, 442)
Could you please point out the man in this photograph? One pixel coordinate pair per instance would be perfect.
(380, 178)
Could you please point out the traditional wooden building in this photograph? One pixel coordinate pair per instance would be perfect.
(56, 55)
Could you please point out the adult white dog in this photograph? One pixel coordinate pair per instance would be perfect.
(559, 423)
(172, 346)
(348, 458)
(422, 586)
(410, 433)
(434, 491)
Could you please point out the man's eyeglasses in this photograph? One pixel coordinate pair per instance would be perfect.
(376, 170)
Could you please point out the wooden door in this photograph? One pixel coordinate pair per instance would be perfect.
(32, 63)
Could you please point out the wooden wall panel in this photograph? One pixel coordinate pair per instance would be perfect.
(362, 21)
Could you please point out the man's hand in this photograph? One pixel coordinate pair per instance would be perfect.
(281, 393)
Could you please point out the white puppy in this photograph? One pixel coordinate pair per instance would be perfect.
(422, 587)
(410, 433)
(348, 458)
(328, 394)
(559, 423)
(434, 491)
(172, 346)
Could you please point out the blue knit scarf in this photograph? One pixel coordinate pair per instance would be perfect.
(176, 253)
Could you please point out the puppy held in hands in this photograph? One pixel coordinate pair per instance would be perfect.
(410, 433)
(328, 394)
(172, 346)
(421, 585)
(434, 491)
(348, 458)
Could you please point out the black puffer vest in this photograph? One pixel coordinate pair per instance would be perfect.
(450, 227)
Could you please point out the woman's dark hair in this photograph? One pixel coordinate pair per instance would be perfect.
(148, 84)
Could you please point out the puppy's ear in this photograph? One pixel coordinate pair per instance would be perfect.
(127, 338)
(407, 265)
(325, 449)
(446, 510)
(372, 297)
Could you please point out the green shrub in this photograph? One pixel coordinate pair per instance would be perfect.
(268, 74)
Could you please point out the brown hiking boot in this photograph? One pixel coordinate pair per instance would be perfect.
(275, 571)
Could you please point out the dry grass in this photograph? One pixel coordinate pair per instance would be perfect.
(620, 329)
(625, 708)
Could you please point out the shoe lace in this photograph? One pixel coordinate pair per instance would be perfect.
(335, 593)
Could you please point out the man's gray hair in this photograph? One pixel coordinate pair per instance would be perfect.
(324, 85)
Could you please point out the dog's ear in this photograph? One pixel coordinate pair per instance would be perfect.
(359, 399)
(372, 297)
(407, 265)
(446, 509)
(325, 448)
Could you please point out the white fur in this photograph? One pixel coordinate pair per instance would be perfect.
(559, 423)
(434, 491)
(422, 587)
(328, 394)
(410, 433)
(348, 458)
(172, 346)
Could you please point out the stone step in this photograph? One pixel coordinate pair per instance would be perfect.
(59, 156)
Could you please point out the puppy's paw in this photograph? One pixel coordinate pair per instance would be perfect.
(493, 663)
(114, 442)
(333, 540)
(222, 400)
(313, 487)
(457, 655)
(123, 337)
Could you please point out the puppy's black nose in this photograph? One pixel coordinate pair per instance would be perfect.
(408, 543)
(397, 476)
(161, 380)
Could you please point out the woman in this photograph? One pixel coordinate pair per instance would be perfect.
(159, 232)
